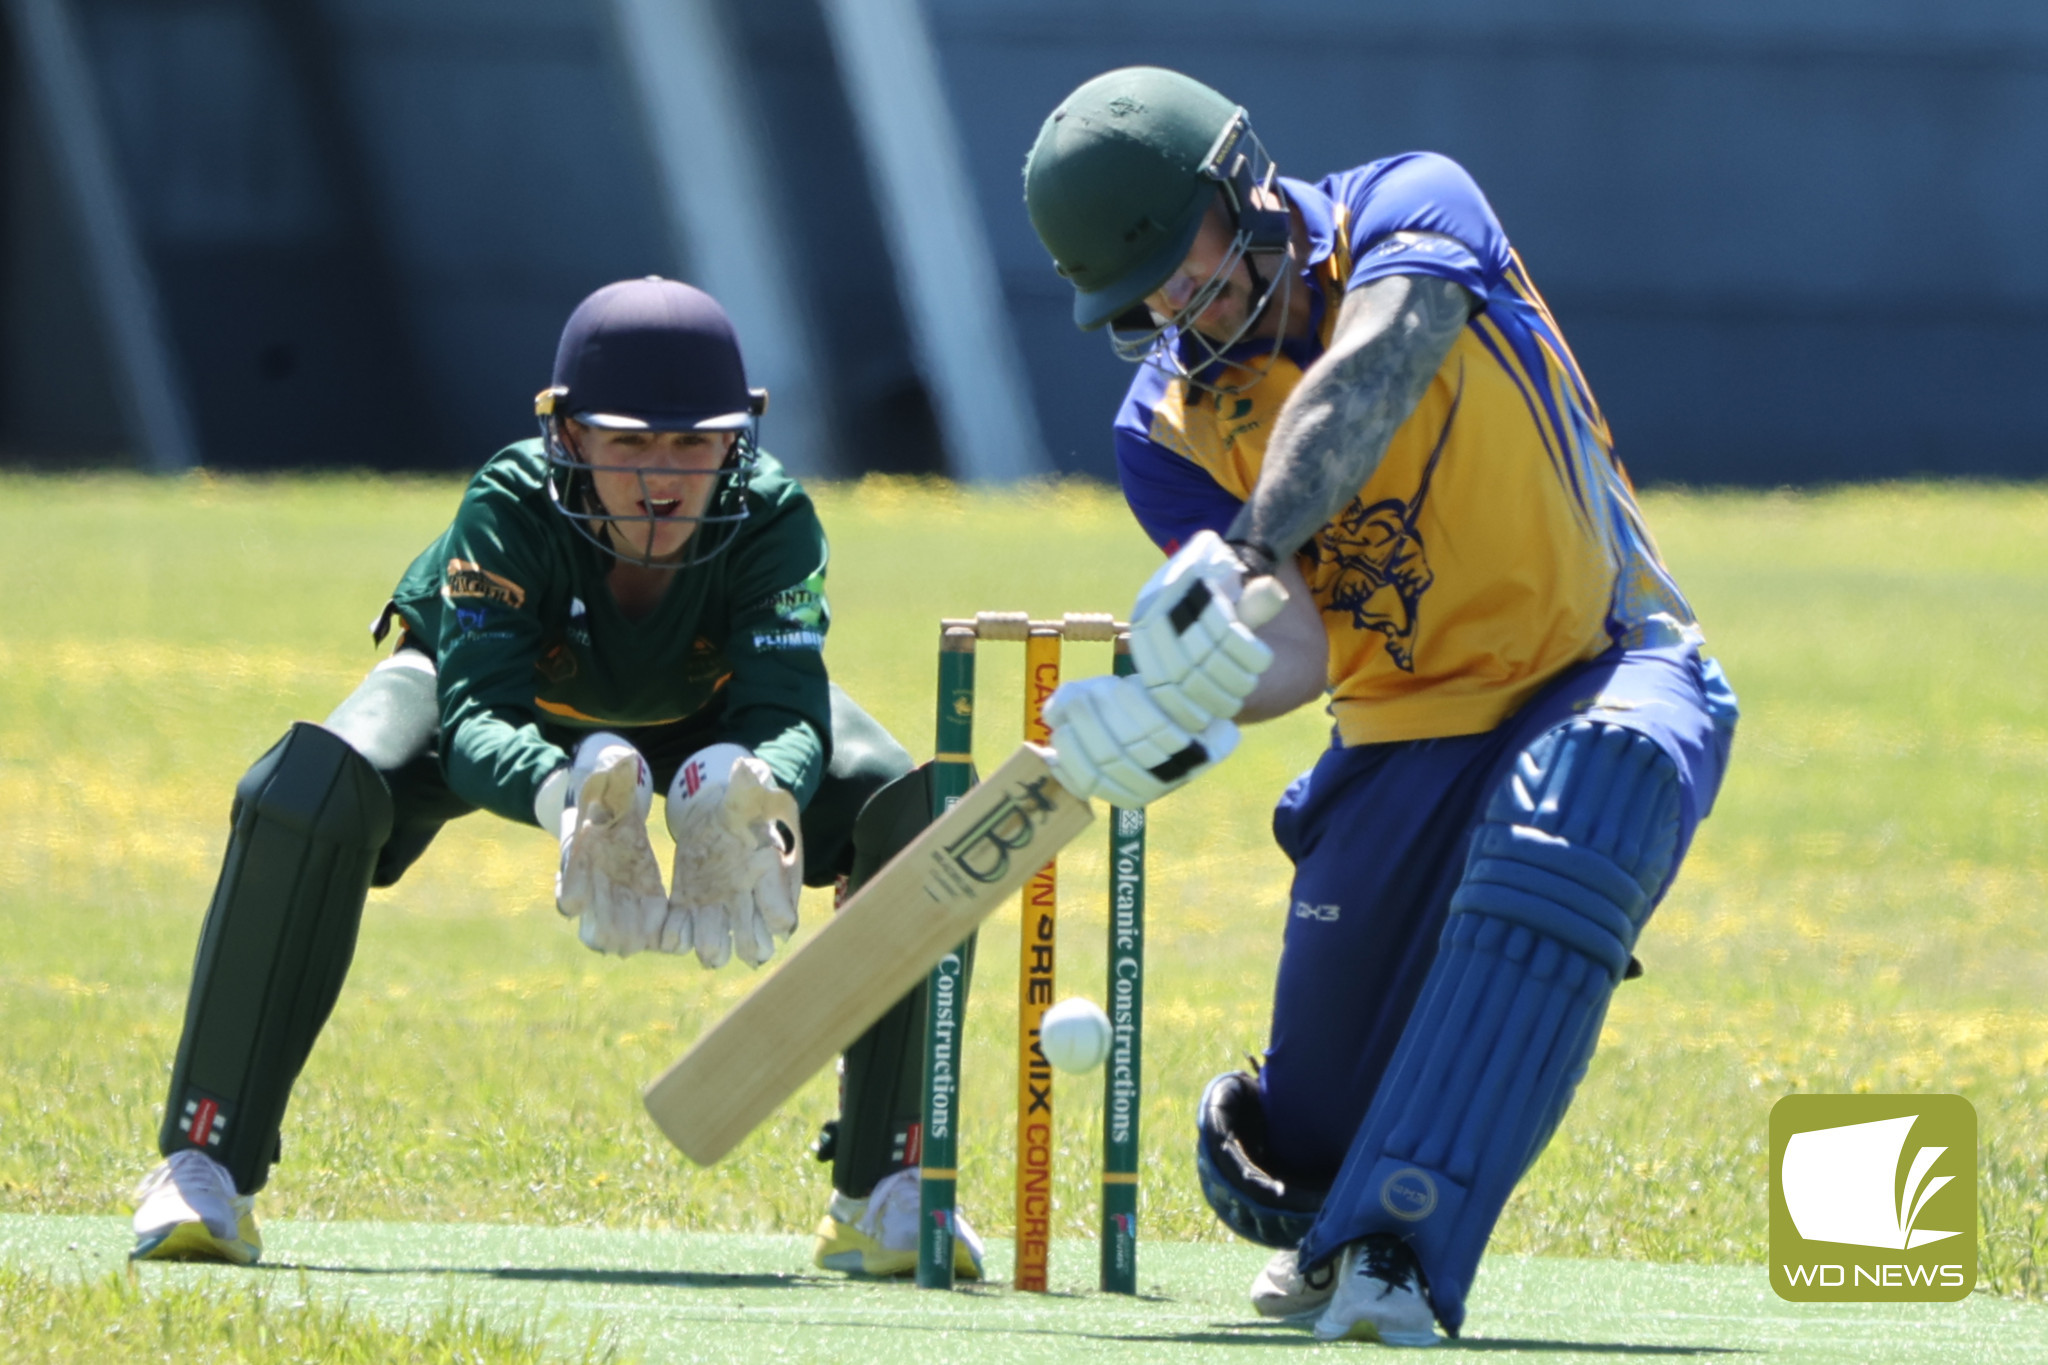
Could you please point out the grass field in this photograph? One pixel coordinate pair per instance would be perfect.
(1864, 911)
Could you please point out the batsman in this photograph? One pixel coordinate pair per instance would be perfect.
(1351, 388)
(632, 602)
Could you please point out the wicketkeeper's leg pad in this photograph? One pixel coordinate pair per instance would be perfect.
(881, 1094)
(865, 760)
(1573, 850)
(307, 823)
(393, 719)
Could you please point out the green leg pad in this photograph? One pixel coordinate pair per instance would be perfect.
(881, 1094)
(308, 821)
(866, 759)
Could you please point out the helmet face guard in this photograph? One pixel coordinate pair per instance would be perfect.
(572, 488)
(651, 355)
(1247, 179)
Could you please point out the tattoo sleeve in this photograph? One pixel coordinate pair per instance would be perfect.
(1391, 337)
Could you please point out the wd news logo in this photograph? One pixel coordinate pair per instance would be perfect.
(1873, 1198)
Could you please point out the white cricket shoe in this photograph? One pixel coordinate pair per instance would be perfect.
(187, 1210)
(1380, 1296)
(878, 1235)
(1282, 1292)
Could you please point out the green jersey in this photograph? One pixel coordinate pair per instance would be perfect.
(530, 647)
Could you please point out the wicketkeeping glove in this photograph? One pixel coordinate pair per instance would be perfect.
(739, 858)
(1111, 739)
(608, 876)
(1191, 635)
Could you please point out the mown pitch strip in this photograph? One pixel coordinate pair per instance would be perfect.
(675, 1297)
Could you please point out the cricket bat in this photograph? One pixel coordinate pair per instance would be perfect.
(883, 941)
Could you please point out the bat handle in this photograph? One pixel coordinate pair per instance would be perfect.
(1262, 600)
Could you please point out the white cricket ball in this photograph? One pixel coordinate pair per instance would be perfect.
(1075, 1035)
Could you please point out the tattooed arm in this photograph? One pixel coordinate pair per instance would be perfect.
(1391, 337)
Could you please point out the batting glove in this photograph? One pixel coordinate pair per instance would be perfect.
(608, 877)
(739, 859)
(1111, 739)
(1190, 640)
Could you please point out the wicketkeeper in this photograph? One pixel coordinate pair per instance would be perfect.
(1353, 387)
(631, 603)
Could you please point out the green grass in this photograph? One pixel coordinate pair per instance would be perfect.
(597, 1295)
(118, 1318)
(1863, 911)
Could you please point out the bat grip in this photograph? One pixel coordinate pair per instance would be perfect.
(1262, 600)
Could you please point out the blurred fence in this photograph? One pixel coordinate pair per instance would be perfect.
(1790, 240)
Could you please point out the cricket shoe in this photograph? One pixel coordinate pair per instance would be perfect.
(1284, 1293)
(1380, 1296)
(878, 1235)
(187, 1210)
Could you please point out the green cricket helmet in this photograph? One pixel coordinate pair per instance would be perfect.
(1117, 185)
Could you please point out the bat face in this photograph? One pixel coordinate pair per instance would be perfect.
(983, 852)
(881, 943)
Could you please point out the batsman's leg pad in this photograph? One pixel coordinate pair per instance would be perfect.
(308, 820)
(1574, 848)
(1230, 1158)
(881, 1095)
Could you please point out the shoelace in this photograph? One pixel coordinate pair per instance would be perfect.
(1387, 1261)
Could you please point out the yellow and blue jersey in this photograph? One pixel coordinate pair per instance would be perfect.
(1499, 540)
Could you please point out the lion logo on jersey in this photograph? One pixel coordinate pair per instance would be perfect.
(1382, 564)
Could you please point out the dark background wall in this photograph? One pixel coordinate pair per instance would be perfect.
(1790, 240)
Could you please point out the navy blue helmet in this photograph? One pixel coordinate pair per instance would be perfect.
(651, 355)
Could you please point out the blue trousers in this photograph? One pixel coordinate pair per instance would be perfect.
(1378, 835)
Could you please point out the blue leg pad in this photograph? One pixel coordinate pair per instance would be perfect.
(1574, 849)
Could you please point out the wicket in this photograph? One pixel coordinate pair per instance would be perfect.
(1037, 956)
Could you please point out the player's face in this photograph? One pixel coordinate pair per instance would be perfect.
(1226, 313)
(669, 474)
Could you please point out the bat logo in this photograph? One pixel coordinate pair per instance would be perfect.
(983, 852)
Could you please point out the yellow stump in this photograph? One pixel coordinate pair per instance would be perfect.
(1035, 957)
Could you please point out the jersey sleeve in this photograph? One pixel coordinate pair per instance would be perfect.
(1421, 192)
(494, 576)
(1171, 496)
(777, 701)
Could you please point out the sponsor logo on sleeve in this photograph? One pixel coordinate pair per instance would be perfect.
(462, 579)
(767, 641)
(803, 606)
(1418, 244)
(801, 613)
